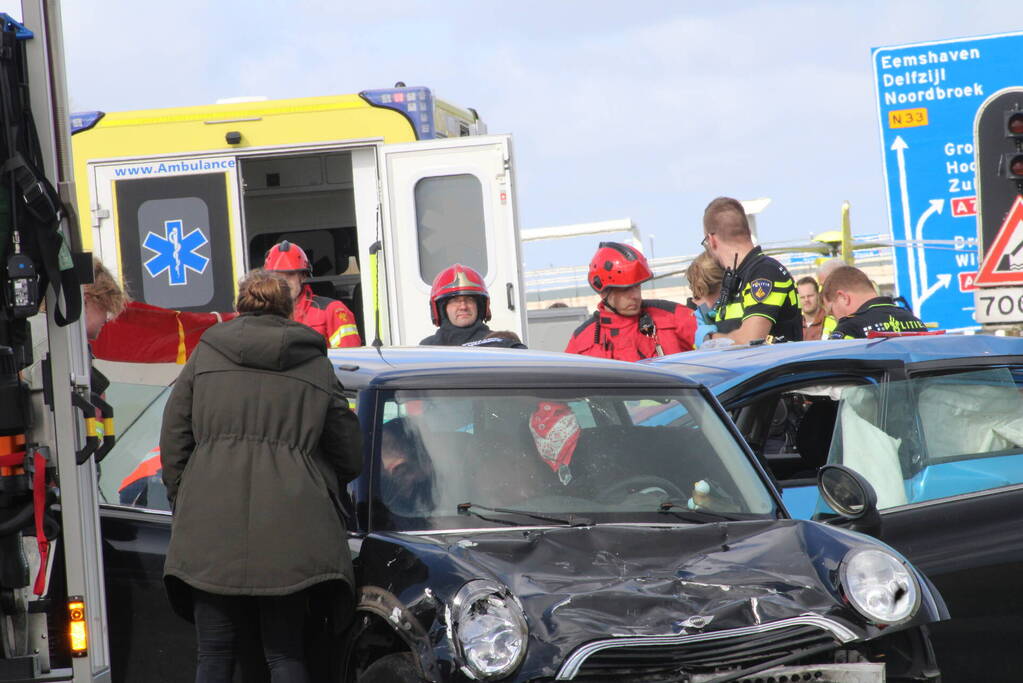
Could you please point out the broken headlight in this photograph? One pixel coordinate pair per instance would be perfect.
(488, 628)
(879, 586)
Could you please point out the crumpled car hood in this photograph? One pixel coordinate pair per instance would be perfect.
(581, 584)
(622, 580)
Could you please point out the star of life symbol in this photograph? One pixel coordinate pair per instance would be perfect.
(175, 253)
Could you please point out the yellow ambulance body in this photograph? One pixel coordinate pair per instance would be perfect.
(180, 202)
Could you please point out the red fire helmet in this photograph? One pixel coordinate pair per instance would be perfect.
(617, 265)
(286, 257)
(458, 280)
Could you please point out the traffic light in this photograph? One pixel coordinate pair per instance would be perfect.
(998, 148)
(1012, 162)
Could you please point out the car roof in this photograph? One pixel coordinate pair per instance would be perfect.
(427, 367)
(721, 369)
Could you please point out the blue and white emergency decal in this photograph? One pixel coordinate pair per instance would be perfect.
(176, 252)
(174, 238)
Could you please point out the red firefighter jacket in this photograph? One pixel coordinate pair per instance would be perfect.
(329, 317)
(610, 335)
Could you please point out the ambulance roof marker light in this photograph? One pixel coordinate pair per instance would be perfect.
(20, 31)
(415, 103)
(84, 120)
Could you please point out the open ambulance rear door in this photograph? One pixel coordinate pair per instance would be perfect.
(445, 202)
(172, 224)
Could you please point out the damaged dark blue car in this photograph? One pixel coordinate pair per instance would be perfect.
(541, 517)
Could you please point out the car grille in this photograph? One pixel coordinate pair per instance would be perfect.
(703, 652)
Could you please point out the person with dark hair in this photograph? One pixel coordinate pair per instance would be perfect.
(851, 296)
(758, 297)
(814, 316)
(459, 307)
(257, 444)
(407, 479)
(329, 317)
(625, 325)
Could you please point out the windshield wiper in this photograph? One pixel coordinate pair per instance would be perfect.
(683, 512)
(572, 520)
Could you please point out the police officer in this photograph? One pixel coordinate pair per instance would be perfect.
(625, 325)
(459, 307)
(329, 317)
(758, 297)
(852, 299)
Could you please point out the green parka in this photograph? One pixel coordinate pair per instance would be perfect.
(257, 444)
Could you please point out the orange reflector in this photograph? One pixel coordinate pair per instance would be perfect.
(77, 628)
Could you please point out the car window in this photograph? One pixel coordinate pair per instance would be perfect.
(614, 456)
(130, 473)
(933, 437)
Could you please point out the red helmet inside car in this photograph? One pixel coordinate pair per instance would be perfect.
(286, 257)
(617, 265)
(458, 280)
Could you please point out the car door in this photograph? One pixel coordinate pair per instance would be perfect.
(960, 523)
(445, 202)
(787, 415)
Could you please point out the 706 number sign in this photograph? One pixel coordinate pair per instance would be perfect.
(999, 304)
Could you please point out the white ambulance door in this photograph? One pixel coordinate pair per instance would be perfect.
(170, 229)
(445, 202)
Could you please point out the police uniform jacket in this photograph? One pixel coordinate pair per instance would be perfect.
(610, 335)
(762, 287)
(257, 444)
(879, 314)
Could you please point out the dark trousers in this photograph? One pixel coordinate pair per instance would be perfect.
(222, 620)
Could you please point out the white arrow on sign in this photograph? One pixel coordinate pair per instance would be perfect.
(936, 206)
(943, 280)
(900, 146)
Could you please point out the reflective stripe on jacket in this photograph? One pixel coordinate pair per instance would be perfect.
(329, 317)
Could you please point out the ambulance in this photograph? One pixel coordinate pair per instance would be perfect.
(383, 190)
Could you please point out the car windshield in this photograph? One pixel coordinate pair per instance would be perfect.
(460, 458)
(933, 437)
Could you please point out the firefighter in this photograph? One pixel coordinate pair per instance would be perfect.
(758, 297)
(459, 307)
(329, 317)
(853, 300)
(625, 325)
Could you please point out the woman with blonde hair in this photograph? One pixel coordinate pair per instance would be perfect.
(257, 445)
(103, 299)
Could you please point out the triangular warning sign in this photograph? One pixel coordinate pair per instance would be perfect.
(1003, 262)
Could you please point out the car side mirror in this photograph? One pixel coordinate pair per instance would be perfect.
(849, 494)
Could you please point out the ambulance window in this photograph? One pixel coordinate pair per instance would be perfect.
(449, 224)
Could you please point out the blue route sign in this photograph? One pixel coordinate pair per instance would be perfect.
(928, 95)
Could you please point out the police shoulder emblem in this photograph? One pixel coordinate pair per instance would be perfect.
(760, 288)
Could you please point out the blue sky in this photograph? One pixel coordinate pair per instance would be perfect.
(618, 109)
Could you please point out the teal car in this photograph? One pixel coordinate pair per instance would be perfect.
(935, 424)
